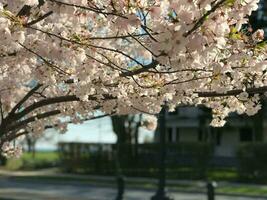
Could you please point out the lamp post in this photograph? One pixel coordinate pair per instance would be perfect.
(211, 190)
(120, 187)
(120, 178)
(161, 193)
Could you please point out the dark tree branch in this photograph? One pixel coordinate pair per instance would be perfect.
(144, 46)
(96, 10)
(39, 19)
(195, 27)
(45, 102)
(83, 120)
(118, 37)
(54, 100)
(2, 55)
(24, 11)
(204, 17)
(1, 109)
(149, 34)
(49, 64)
(143, 69)
(86, 45)
(45, 115)
(25, 98)
(259, 90)
(9, 118)
(23, 123)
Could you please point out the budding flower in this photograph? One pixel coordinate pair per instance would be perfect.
(243, 96)
(31, 2)
(258, 35)
(217, 122)
(150, 123)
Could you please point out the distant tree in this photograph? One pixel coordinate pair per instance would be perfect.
(126, 128)
(30, 141)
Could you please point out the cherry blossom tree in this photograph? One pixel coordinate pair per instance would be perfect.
(65, 59)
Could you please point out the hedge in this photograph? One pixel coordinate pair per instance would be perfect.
(252, 159)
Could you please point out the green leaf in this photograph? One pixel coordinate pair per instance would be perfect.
(233, 30)
(261, 45)
(230, 3)
(134, 68)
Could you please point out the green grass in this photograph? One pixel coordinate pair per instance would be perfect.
(223, 174)
(42, 155)
(243, 190)
(28, 162)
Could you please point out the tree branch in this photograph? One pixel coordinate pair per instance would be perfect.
(45, 102)
(153, 64)
(258, 90)
(25, 98)
(195, 27)
(44, 115)
(100, 11)
(39, 19)
(204, 17)
(32, 119)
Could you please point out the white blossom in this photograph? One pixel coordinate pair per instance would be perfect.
(85, 60)
(150, 122)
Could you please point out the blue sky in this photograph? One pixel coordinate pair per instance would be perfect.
(94, 131)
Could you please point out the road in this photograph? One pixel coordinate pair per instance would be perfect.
(13, 189)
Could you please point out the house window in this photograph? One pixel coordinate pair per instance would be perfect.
(246, 134)
(169, 135)
(218, 138)
(177, 135)
(172, 134)
(200, 135)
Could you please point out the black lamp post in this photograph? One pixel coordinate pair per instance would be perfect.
(120, 178)
(211, 190)
(120, 187)
(161, 193)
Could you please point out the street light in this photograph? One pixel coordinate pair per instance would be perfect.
(120, 178)
(161, 193)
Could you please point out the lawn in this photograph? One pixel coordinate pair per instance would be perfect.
(223, 174)
(252, 190)
(27, 161)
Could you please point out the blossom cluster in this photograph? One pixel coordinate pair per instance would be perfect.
(69, 58)
(150, 122)
(9, 150)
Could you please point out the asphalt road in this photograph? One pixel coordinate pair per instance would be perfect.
(12, 189)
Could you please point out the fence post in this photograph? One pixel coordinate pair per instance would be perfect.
(211, 190)
(120, 185)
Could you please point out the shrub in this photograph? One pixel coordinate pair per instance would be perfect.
(183, 160)
(252, 159)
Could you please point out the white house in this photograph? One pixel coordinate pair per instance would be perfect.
(191, 124)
